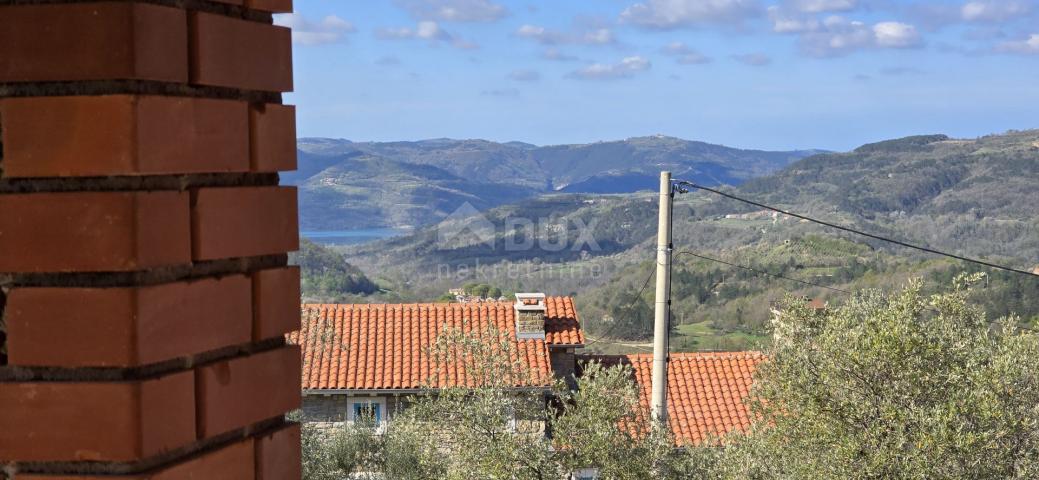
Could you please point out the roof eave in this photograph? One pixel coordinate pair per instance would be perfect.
(566, 345)
(402, 391)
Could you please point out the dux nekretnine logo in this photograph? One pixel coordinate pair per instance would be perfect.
(463, 227)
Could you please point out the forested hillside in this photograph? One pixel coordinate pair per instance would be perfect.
(326, 276)
(357, 190)
(721, 307)
(970, 196)
(346, 184)
(973, 197)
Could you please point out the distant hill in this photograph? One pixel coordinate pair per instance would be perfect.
(978, 196)
(975, 197)
(346, 184)
(358, 190)
(326, 276)
(583, 168)
(933, 174)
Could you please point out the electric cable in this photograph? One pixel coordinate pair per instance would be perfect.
(761, 272)
(631, 305)
(851, 230)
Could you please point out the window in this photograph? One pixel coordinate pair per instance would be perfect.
(371, 409)
(586, 474)
(510, 419)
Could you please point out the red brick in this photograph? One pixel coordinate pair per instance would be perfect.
(44, 476)
(93, 231)
(276, 6)
(126, 327)
(272, 134)
(228, 52)
(233, 462)
(117, 422)
(239, 392)
(123, 135)
(276, 300)
(278, 455)
(213, 135)
(242, 222)
(93, 41)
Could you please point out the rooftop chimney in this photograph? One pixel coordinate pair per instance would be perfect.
(530, 316)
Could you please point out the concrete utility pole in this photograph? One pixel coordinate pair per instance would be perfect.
(662, 308)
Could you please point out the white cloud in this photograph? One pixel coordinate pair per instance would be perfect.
(454, 10)
(555, 55)
(896, 35)
(837, 36)
(675, 48)
(425, 30)
(753, 59)
(545, 36)
(430, 30)
(994, 10)
(935, 15)
(524, 75)
(668, 14)
(819, 6)
(784, 21)
(600, 71)
(1028, 46)
(599, 36)
(530, 31)
(684, 55)
(539, 34)
(330, 29)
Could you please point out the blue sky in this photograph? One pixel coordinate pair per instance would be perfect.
(771, 74)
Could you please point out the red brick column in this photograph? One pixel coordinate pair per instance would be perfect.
(144, 292)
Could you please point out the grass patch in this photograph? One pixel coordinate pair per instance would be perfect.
(703, 336)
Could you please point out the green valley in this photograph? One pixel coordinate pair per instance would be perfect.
(970, 197)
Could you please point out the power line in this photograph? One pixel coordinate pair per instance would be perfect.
(638, 296)
(670, 263)
(762, 272)
(636, 346)
(857, 232)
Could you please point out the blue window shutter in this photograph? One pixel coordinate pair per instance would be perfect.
(369, 408)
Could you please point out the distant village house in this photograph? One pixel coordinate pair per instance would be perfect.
(370, 359)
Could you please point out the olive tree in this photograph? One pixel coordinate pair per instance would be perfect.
(601, 424)
(891, 387)
(493, 425)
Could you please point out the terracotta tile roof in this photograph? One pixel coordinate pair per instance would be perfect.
(384, 346)
(705, 394)
(562, 327)
(817, 304)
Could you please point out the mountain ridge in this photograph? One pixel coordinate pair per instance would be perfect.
(971, 197)
(448, 173)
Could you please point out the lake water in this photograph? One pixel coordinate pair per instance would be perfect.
(351, 237)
